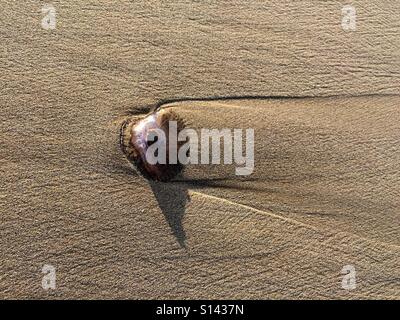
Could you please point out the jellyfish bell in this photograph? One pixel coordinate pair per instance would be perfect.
(151, 144)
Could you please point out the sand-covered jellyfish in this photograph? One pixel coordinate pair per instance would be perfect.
(139, 133)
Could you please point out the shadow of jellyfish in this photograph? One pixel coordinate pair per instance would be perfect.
(172, 199)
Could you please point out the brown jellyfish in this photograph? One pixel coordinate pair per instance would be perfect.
(139, 133)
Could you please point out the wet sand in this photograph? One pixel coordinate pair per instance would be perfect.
(324, 193)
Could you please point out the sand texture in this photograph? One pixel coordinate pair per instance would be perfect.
(326, 186)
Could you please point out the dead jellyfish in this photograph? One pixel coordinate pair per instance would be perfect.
(139, 134)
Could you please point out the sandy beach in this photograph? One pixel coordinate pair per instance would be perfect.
(325, 189)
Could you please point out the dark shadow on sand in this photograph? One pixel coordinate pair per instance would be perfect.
(172, 199)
